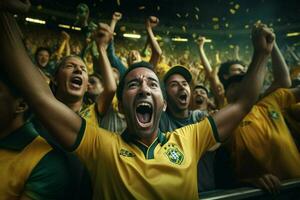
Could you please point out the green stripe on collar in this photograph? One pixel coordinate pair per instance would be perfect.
(19, 138)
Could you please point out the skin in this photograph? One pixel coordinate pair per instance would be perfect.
(142, 85)
(176, 86)
(43, 58)
(95, 87)
(200, 99)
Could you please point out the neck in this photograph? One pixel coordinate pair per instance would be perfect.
(73, 105)
(202, 107)
(14, 125)
(178, 113)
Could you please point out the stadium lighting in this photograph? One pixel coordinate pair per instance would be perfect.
(131, 35)
(64, 26)
(179, 39)
(37, 21)
(208, 40)
(293, 34)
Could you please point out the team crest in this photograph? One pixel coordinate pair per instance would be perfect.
(245, 123)
(174, 154)
(274, 114)
(126, 153)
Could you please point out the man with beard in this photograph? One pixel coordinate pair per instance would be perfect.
(143, 163)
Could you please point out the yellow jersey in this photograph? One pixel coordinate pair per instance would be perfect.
(262, 142)
(123, 168)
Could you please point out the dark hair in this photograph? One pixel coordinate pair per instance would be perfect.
(130, 68)
(225, 68)
(41, 49)
(201, 87)
(98, 76)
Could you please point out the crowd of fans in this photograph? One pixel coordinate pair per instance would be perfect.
(85, 115)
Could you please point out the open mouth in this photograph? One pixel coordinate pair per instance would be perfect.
(199, 100)
(183, 98)
(76, 82)
(144, 113)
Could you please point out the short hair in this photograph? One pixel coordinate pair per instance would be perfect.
(130, 68)
(225, 68)
(41, 49)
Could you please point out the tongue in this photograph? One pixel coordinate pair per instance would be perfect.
(144, 118)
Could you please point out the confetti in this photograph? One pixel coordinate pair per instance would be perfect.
(230, 35)
(197, 9)
(246, 26)
(39, 7)
(178, 15)
(232, 11)
(237, 6)
(158, 7)
(215, 19)
(226, 25)
(197, 17)
(216, 27)
(141, 7)
(186, 15)
(184, 28)
(118, 2)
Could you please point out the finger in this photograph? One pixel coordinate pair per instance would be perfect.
(276, 182)
(270, 184)
(264, 185)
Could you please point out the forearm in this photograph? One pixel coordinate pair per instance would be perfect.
(280, 69)
(205, 62)
(109, 82)
(114, 60)
(26, 77)
(156, 50)
(113, 25)
(253, 81)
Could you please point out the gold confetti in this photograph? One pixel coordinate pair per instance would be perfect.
(39, 7)
(231, 3)
(246, 26)
(123, 28)
(141, 7)
(236, 6)
(215, 19)
(216, 26)
(247, 10)
(186, 15)
(197, 9)
(178, 15)
(230, 35)
(118, 2)
(279, 19)
(194, 35)
(226, 25)
(232, 11)
(231, 46)
(184, 28)
(197, 17)
(158, 7)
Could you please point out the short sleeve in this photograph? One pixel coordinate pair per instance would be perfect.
(281, 97)
(50, 179)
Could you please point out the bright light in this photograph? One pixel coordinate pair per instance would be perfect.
(76, 28)
(208, 40)
(131, 35)
(37, 21)
(64, 26)
(179, 39)
(293, 34)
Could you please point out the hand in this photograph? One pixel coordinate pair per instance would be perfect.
(263, 38)
(103, 35)
(65, 36)
(82, 14)
(268, 182)
(152, 22)
(15, 6)
(117, 16)
(201, 41)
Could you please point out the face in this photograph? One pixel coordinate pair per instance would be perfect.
(7, 107)
(71, 79)
(134, 57)
(95, 86)
(178, 92)
(75, 49)
(199, 96)
(142, 102)
(43, 58)
(236, 69)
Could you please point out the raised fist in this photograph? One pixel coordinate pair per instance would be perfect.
(15, 6)
(263, 38)
(201, 41)
(152, 21)
(103, 35)
(117, 16)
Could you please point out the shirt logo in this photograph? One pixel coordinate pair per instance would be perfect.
(174, 154)
(126, 153)
(274, 115)
(245, 123)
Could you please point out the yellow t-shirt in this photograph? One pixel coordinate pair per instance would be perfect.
(122, 168)
(294, 124)
(262, 142)
(90, 114)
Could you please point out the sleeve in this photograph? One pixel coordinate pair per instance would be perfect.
(114, 60)
(50, 179)
(91, 142)
(202, 136)
(283, 98)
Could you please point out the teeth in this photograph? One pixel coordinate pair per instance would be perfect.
(145, 104)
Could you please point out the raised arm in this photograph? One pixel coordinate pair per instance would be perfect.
(280, 71)
(62, 122)
(115, 60)
(63, 46)
(215, 84)
(102, 37)
(152, 22)
(228, 118)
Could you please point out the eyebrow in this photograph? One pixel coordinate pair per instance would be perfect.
(137, 79)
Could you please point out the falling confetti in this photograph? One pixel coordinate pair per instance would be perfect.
(197, 17)
(237, 6)
(232, 11)
(215, 19)
(246, 26)
(39, 7)
(230, 35)
(141, 7)
(178, 15)
(216, 26)
(118, 2)
(186, 15)
(197, 9)
(183, 28)
(226, 25)
(158, 8)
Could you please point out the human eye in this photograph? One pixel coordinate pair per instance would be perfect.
(133, 84)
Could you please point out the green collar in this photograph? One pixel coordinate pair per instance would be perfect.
(147, 151)
(19, 138)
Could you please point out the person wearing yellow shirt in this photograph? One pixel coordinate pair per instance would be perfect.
(142, 163)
